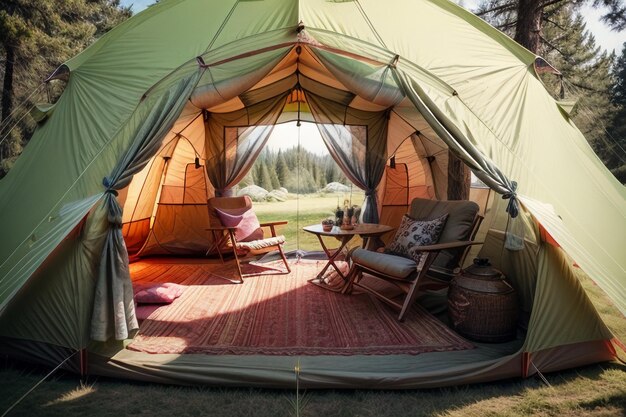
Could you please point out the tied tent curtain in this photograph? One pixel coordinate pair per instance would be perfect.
(458, 143)
(114, 311)
(357, 141)
(234, 140)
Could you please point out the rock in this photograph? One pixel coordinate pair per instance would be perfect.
(255, 192)
(336, 187)
(276, 195)
(280, 192)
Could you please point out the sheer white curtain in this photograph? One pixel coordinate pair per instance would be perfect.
(234, 140)
(357, 141)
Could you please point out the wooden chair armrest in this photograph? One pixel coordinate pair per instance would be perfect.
(443, 246)
(276, 223)
(272, 225)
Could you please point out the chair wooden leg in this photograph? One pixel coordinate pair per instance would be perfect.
(238, 266)
(354, 275)
(408, 301)
(410, 296)
(217, 243)
(234, 242)
(282, 255)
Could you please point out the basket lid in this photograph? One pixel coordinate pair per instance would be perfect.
(482, 269)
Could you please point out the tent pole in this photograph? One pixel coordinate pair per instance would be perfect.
(158, 196)
(525, 364)
(298, 124)
(83, 364)
(458, 178)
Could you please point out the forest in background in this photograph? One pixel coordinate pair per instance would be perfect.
(36, 36)
(296, 169)
(589, 76)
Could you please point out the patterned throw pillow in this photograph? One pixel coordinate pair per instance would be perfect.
(413, 233)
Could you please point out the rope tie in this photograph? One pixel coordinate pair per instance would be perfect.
(513, 206)
(110, 199)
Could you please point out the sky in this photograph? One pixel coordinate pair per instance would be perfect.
(608, 39)
(286, 135)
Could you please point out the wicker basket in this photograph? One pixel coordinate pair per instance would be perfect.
(482, 306)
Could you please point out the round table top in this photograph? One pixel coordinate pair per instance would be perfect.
(362, 229)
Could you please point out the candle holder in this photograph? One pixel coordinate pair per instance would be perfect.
(346, 224)
(338, 216)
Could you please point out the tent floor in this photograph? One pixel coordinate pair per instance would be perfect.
(484, 362)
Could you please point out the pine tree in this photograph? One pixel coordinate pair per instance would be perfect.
(274, 179)
(616, 153)
(526, 20)
(302, 182)
(296, 169)
(317, 174)
(328, 173)
(562, 39)
(39, 35)
(337, 173)
(282, 170)
(290, 158)
(586, 72)
(248, 179)
(265, 180)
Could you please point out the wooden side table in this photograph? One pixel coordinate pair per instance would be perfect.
(365, 230)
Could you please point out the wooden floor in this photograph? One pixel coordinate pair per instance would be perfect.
(186, 271)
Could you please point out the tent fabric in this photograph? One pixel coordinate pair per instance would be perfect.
(165, 204)
(374, 372)
(180, 220)
(549, 328)
(469, 90)
(114, 308)
(457, 141)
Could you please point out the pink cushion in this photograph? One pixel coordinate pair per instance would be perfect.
(163, 293)
(246, 222)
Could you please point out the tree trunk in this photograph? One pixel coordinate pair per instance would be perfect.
(7, 93)
(459, 178)
(7, 85)
(528, 26)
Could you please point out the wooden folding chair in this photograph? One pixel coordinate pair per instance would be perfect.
(225, 237)
(443, 259)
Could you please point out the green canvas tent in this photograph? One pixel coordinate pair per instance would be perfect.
(204, 79)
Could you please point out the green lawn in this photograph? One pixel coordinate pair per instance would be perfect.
(598, 390)
(303, 211)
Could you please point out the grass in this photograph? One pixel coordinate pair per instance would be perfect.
(597, 391)
(592, 391)
(304, 211)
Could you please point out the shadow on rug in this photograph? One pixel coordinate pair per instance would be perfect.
(287, 315)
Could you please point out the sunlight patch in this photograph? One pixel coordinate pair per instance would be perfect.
(77, 393)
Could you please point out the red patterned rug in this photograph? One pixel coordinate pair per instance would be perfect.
(287, 315)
